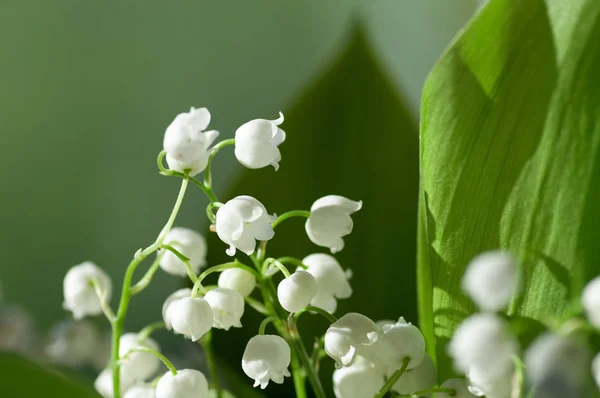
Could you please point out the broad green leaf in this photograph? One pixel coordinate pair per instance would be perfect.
(509, 159)
(20, 377)
(349, 134)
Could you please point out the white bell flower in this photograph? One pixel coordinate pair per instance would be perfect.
(460, 387)
(141, 391)
(238, 279)
(296, 291)
(138, 366)
(483, 342)
(186, 142)
(332, 280)
(17, 332)
(482, 382)
(400, 341)
(266, 358)
(167, 308)
(596, 369)
(591, 301)
(419, 378)
(359, 380)
(330, 221)
(189, 243)
(192, 317)
(187, 383)
(104, 383)
(80, 296)
(351, 335)
(73, 343)
(256, 143)
(227, 307)
(491, 280)
(242, 221)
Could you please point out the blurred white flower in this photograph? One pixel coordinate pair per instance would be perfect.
(330, 221)
(400, 341)
(138, 366)
(296, 291)
(491, 384)
(227, 307)
(189, 243)
(256, 143)
(359, 380)
(491, 280)
(242, 221)
(141, 391)
(80, 296)
(238, 279)
(596, 369)
(591, 301)
(418, 378)
(186, 142)
(351, 335)
(187, 383)
(459, 386)
(332, 281)
(17, 330)
(192, 317)
(167, 308)
(266, 358)
(104, 383)
(73, 343)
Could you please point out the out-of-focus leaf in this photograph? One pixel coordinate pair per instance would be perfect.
(509, 158)
(349, 134)
(20, 378)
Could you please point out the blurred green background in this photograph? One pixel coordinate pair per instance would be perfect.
(89, 87)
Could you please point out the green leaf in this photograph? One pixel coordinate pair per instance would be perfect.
(23, 378)
(509, 159)
(349, 134)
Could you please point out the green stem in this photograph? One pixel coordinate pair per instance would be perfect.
(292, 260)
(299, 378)
(305, 361)
(265, 323)
(206, 343)
(157, 354)
(219, 268)
(257, 305)
(108, 312)
(290, 214)
(331, 318)
(171, 220)
(449, 391)
(148, 330)
(392, 380)
(186, 261)
(147, 278)
(213, 152)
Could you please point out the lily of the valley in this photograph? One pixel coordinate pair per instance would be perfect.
(191, 317)
(187, 383)
(351, 335)
(330, 221)
(266, 358)
(296, 291)
(238, 279)
(227, 307)
(79, 293)
(136, 365)
(189, 243)
(257, 141)
(167, 308)
(332, 281)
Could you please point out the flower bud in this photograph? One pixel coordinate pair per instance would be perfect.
(296, 291)
(80, 296)
(256, 143)
(398, 342)
(185, 142)
(167, 309)
(189, 243)
(330, 220)
(238, 279)
(73, 343)
(359, 380)
(104, 383)
(138, 366)
(491, 280)
(351, 335)
(591, 301)
(332, 281)
(187, 383)
(459, 386)
(227, 307)
(192, 317)
(141, 391)
(242, 221)
(266, 358)
(419, 378)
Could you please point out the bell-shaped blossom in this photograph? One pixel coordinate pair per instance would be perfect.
(266, 358)
(491, 280)
(137, 365)
(104, 383)
(330, 221)
(141, 391)
(16, 330)
(189, 243)
(398, 342)
(482, 382)
(351, 335)
(296, 291)
(460, 387)
(483, 341)
(167, 308)
(242, 221)
(187, 383)
(591, 301)
(332, 281)
(418, 378)
(557, 364)
(191, 317)
(186, 142)
(227, 307)
(238, 279)
(359, 380)
(80, 296)
(73, 343)
(596, 369)
(256, 143)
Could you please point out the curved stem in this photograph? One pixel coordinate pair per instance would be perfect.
(157, 354)
(209, 211)
(207, 191)
(330, 317)
(186, 261)
(265, 323)
(108, 312)
(147, 278)
(257, 305)
(393, 379)
(213, 152)
(148, 330)
(219, 268)
(171, 220)
(292, 260)
(290, 214)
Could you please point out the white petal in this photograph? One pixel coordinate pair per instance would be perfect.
(199, 118)
(341, 202)
(247, 208)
